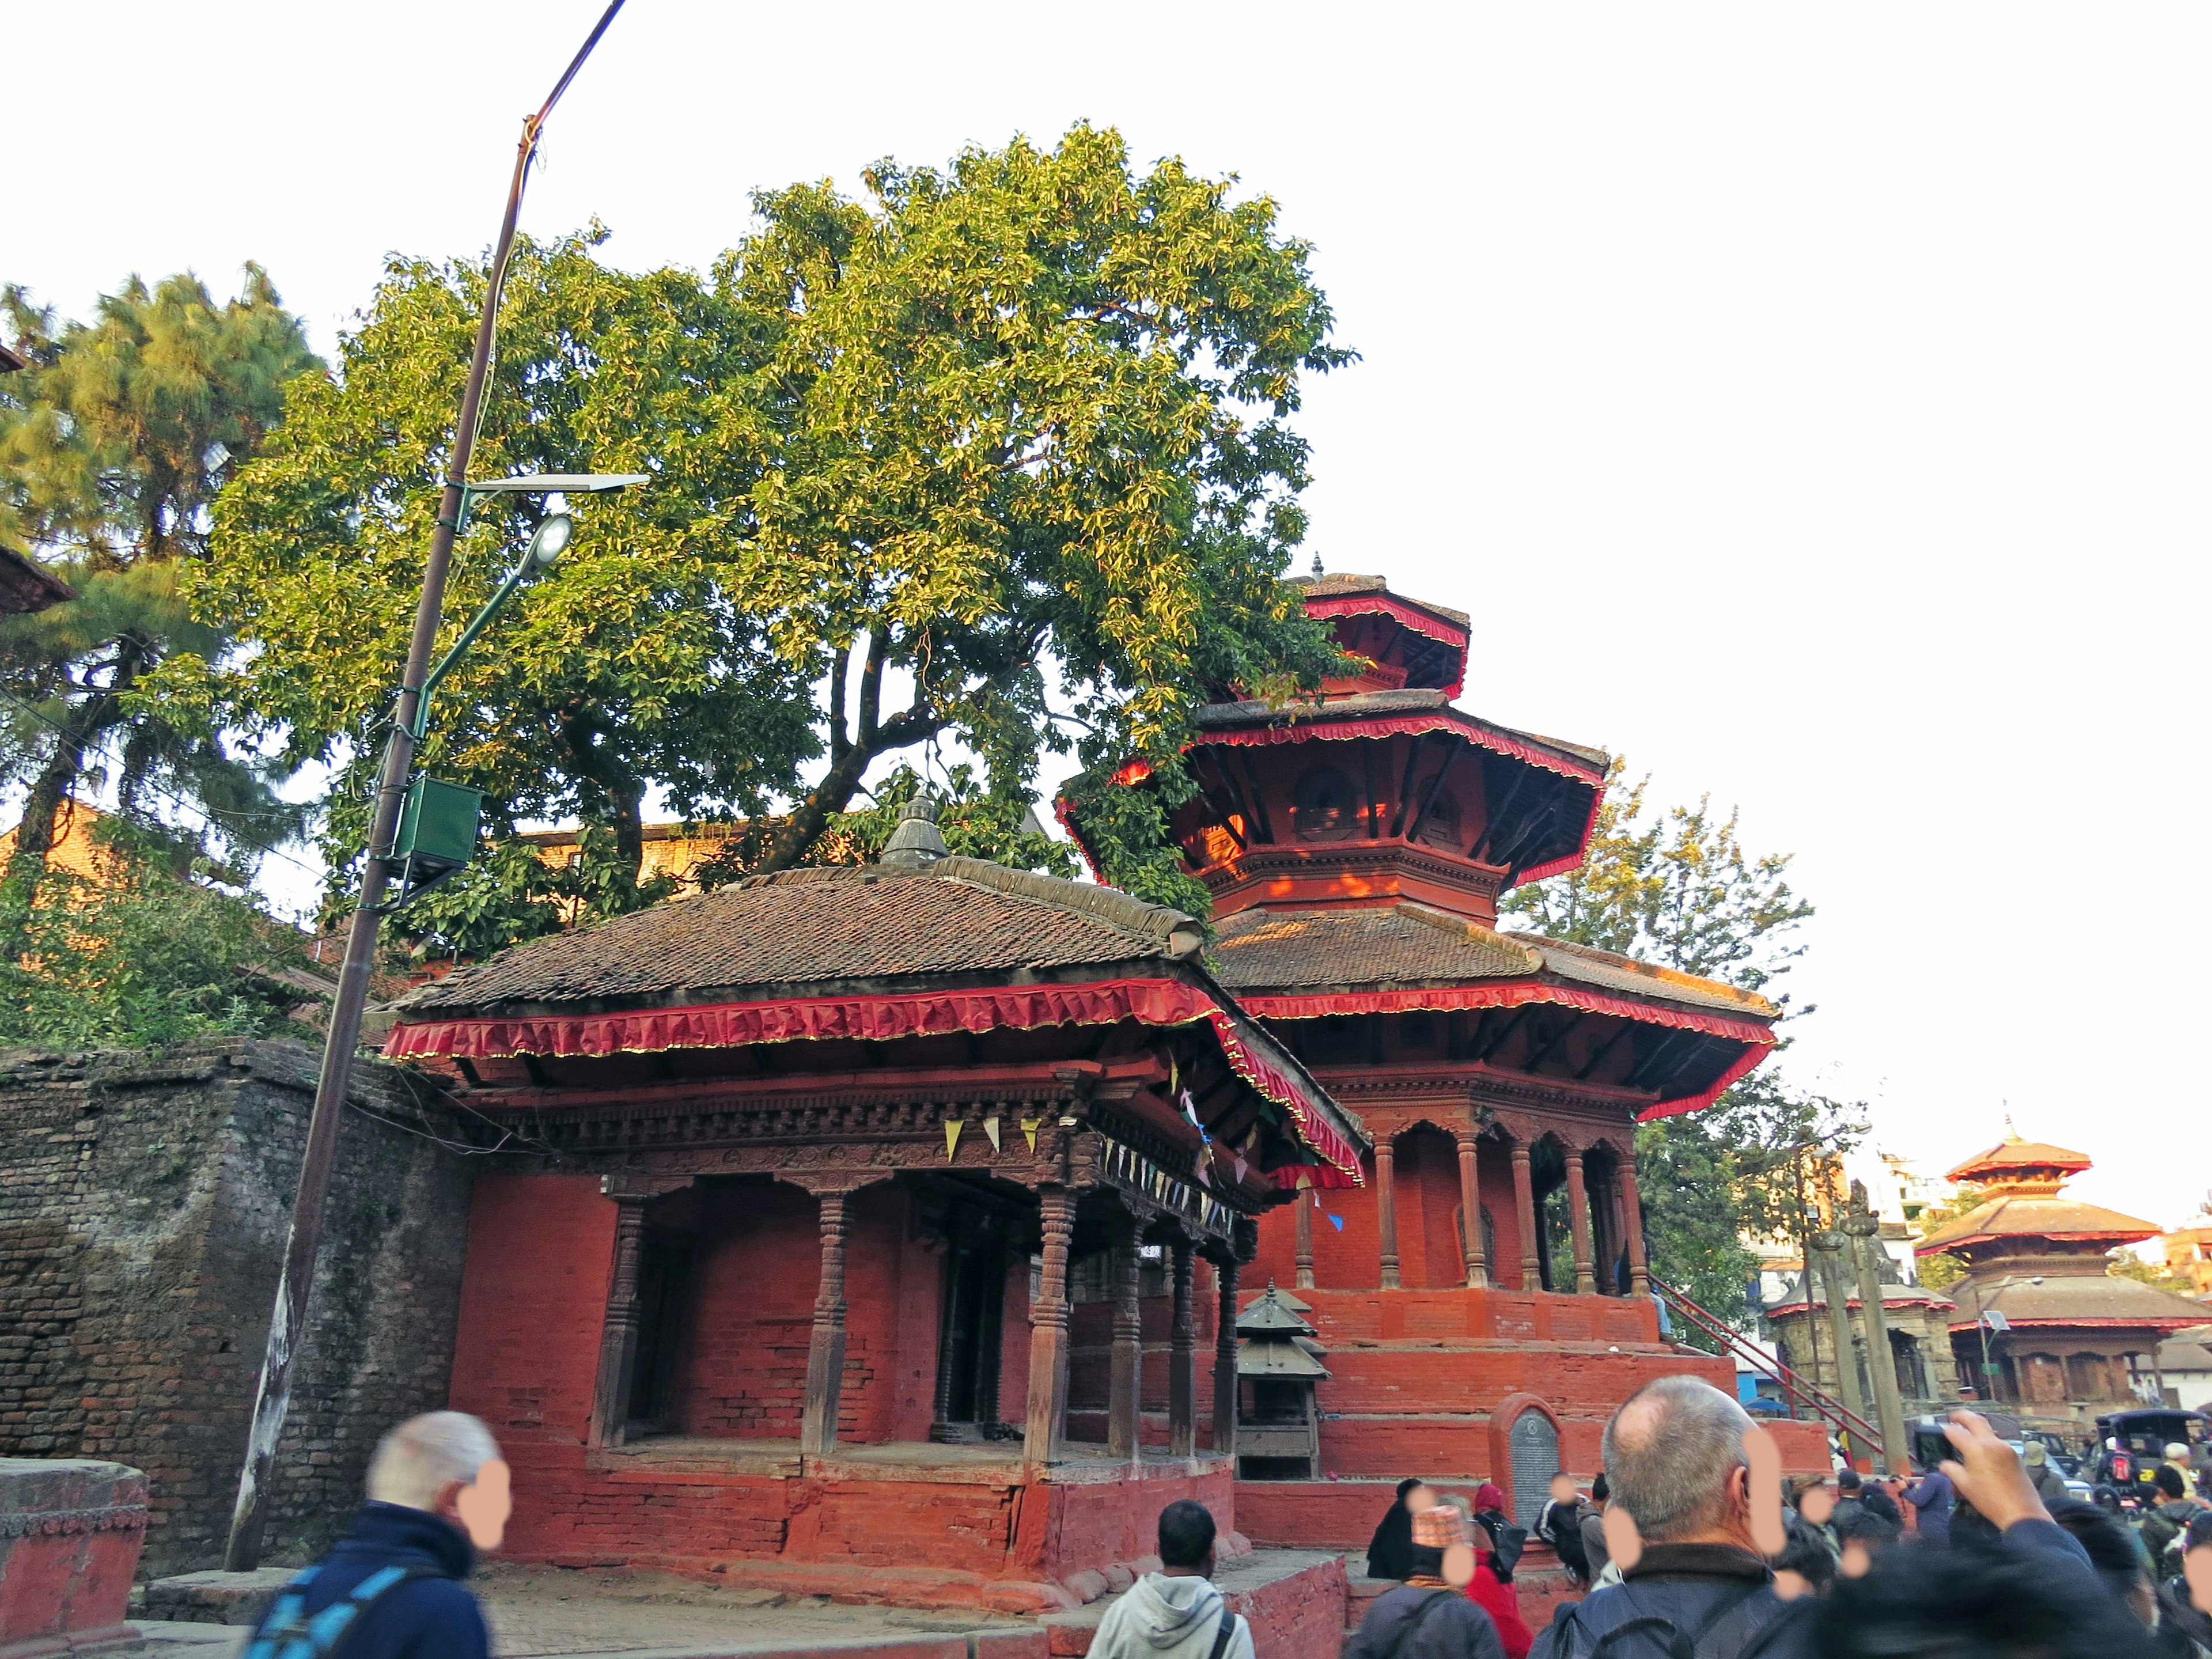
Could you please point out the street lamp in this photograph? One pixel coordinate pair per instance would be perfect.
(438, 821)
(437, 833)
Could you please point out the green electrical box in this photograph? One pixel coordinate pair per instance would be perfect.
(437, 829)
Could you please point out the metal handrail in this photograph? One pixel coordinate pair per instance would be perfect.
(1824, 1404)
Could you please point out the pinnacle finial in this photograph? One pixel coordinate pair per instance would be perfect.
(917, 842)
(1316, 568)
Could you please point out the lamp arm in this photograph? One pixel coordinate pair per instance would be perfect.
(482, 620)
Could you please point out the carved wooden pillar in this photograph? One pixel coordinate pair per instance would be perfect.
(1306, 1240)
(1470, 1209)
(1631, 1229)
(1182, 1355)
(618, 1338)
(1578, 1217)
(1048, 1408)
(1524, 1205)
(1224, 1363)
(1127, 1375)
(1386, 1211)
(825, 1356)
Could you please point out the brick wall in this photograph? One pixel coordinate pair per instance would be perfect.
(142, 1204)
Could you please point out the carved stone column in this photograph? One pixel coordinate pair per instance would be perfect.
(1047, 1407)
(1386, 1211)
(825, 1355)
(1632, 1230)
(1224, 1363)
(618, 1337)
(1578, 1216)
(1524, 1205)
(1127, 1375)
(1470, 1209)
(1306, 1240)
(1183, 1354)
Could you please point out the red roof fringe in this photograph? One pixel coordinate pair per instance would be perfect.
(878, 1018)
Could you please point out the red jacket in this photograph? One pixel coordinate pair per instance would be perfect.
(1503, 1605)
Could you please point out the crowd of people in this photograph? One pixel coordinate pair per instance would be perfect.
(1690, 1546)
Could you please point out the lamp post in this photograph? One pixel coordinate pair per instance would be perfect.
(287, 1320)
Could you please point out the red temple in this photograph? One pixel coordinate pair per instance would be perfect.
(1485, 1302)
(845, 1229)
(2076, 1340)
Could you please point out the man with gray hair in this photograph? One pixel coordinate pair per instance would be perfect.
(390, 1588)
(1676, 1464)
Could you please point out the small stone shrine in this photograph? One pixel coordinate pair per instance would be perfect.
(1278, 1363)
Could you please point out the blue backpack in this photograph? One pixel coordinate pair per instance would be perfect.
(287, 1634)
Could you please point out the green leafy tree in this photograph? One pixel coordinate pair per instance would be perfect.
(1677, 888)
(640, 663)
(142, 953)
(114, 440)
(1025, 419)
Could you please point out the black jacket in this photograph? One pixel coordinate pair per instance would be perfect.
(1724, 1593)
(1450, 1626)
(1389, 1552)
(431, 1618)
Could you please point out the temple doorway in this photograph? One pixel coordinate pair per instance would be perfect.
(969, 1349)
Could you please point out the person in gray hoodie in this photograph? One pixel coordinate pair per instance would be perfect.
(1175, 1613)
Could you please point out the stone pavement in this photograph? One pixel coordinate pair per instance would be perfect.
(553, 1612)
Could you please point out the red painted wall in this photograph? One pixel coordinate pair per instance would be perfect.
(753, 1285)
(533, 1299)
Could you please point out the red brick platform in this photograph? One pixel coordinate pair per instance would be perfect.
(906, 1523)
(70, 1530)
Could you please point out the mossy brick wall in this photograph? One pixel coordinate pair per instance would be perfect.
(144, 1200)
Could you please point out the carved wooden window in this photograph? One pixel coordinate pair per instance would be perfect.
(1441, 827)
(1323, 807)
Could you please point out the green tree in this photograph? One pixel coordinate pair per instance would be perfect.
(143, 953)
(1027, 417)
(1677, 888)
(640, 663)
(114, 440)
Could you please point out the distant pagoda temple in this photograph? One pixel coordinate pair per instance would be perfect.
(2076, 1340)
(1485, 1297)
(872, 1231)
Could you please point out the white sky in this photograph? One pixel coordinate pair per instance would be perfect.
(1809, 403)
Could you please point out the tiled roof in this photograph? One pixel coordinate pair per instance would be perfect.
(1337, 584)
(2014, 1153)
(819, 925)
(1588, 966)
(1408, 945)
(2074, 1298)
(2030, 1217)
(1264, 951)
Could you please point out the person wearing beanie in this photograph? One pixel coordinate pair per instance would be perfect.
(1487, 1588)
(1426, 1616)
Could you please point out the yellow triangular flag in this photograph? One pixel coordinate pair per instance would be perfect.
(1304, 1181)
(1029, 1128)
(952, 1127)
(991, 1128)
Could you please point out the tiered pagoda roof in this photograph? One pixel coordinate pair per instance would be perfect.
(1304, 964)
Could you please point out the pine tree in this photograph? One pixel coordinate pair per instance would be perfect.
(114, 440)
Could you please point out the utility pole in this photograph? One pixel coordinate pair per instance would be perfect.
(1864, 1227)
(288, 1322)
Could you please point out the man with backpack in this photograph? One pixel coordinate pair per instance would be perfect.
(2162, 1529)
(1175, 1613)
(1560, 1523)
(390, 1589)
(1675, 1461)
